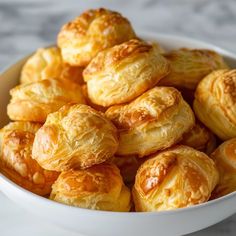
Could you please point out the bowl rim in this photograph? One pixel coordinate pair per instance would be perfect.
(7, 183)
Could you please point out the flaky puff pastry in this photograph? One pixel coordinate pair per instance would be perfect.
(95, 30)
(120, 74)
(188, 67)
(225, 159)
(99, 187)
(34, 101)
(128, 166)
(89, 102)
(76, 136)
(47, 63)
(16, 140)
(200, 138)
(154, 121)
(175, 178)
(215, 103)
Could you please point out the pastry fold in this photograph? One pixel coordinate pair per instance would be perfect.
(47, 63)
(123, 72)
(16, 141)
(190, 66)
(177, 177)
(99, 187)
(93, 31)
(76, 136)
(225, 159)
(215, 103)
(34, 101)
(154, 121)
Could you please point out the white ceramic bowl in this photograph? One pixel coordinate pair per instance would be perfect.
(102, 223)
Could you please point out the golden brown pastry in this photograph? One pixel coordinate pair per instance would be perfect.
(156, 45)
(188, 67)
(47, 63)
(76, 136)
(34, 101)
(95, 30)
(154, 121)
(177, 177)
(99, 187)
(200, 138)
(128, 166)
(88, 101)
(215, 103)
(225, 159)
(122, 73)
(16, 140)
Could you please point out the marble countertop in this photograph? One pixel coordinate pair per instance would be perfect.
(29, 24)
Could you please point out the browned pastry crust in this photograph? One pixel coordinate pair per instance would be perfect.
(76, 136)
(200, 138)
(154, 121)
(89, 102)
(34, 101)
(177, 177)
(99, 187)
(190, 66)
(16, 140)
(95, 30)
(215, 103)
(47, 63)
(123, 72)
(225, 159)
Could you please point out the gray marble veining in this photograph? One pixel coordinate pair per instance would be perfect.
(29, 24)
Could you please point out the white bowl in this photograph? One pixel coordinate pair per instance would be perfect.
(102, 223)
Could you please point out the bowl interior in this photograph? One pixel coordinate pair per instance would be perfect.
(10, 78)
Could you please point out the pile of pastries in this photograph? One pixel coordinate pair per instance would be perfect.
(108, 121)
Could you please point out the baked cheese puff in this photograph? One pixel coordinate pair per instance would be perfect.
(47, 63)
(128, 166)
(190, 66)
(95, 30)
(88, 101)
(154, 121)
(99, 187)
(215, 103)
(76, 136)
(175, 178)
(34, 101)
(16, 163)
(123, 72)
(200, 138)
(225, 159)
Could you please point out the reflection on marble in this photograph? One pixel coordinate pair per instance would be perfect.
(29, 24)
